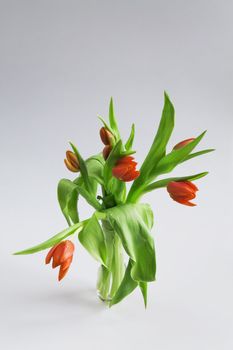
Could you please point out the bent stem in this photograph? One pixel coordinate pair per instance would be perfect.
(109, 279)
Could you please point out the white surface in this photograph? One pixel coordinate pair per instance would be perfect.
(60, 62)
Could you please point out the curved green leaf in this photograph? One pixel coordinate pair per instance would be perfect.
(165, 182)
(110, 162)
(157, 150)
(127, 286)
(95, 167)
(113, 185)
(83, 168)
(143, 287)
(132, 222)
(197, 154)
(171, 160)
(90, 198)
(117, 265)
(54, 240)
(93, 240)
(106, 125)
(113, 121)
(68, 197)
(129, 142)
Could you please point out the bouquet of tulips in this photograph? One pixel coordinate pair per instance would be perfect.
(118, 234)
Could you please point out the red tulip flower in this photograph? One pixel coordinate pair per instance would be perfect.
(183, 143)
(182, 192)
(62, 255)
(125, 169)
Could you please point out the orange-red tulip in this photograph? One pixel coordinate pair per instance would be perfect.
(125, 169)
(183, 143)
(182, 192)
(62, 255)
(106, 151)
(72, 162)
(106, 136)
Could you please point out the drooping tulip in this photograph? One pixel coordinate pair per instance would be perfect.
(72, 162)
(62, 255)
(125, 169)
(182, 192)
(183, 143)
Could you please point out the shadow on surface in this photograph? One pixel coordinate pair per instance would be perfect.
(43, 307)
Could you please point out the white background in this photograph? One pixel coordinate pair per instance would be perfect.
(60, 62)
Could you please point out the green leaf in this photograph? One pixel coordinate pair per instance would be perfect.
(90, 198)
(95, 166)
(143, 287)
(93, 240)
(113, 121)
(117, 265)
(161, 139)
(127, 286)
(54, 240)
(106, 125)
(157, 150)
(93, 184)
(196, 154)
(118, 189)
(110, 162)
(83, 168)
(68, 196)
(171, 160)
(165, 182)
(114, 185)
(132, 223)
(129, 142)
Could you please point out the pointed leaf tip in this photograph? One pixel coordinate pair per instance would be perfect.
(166, 96)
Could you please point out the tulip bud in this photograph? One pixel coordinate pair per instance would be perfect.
(72, 162)
(183, 143)
(106, 151)
(62, 255)
(106, 136)
(182, 192)
(125, 169)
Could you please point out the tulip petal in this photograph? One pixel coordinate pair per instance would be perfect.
(67, 252)
(183, 200)
(125, 169)
(64, 268)
(119, 170)
(70, 166)
(191, 185)
(66, 264)
(106, 136)
(183, 143)
(62, 273)
(181, 188)
(190, 204)
(131, 175)
(50, 254)
(125, 160)
(57, 254)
